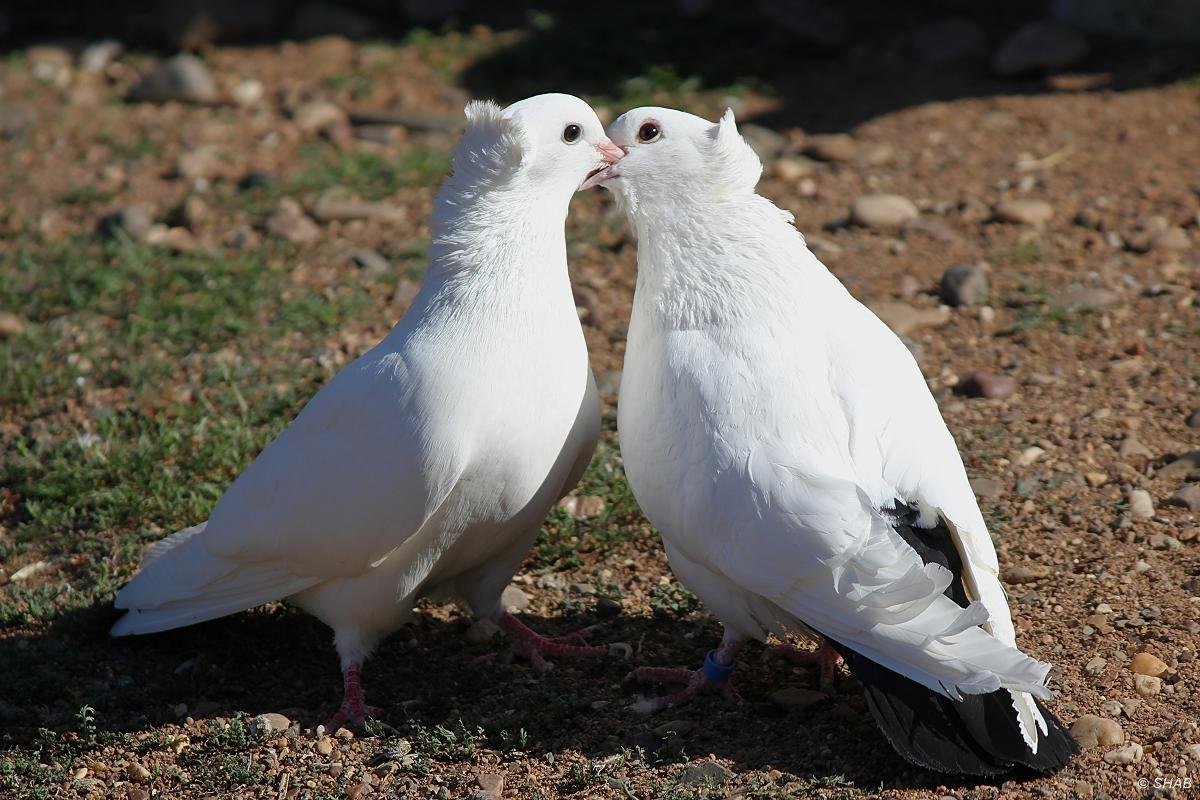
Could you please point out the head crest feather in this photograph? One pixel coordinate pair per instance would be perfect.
(492, 146)
(734, 165)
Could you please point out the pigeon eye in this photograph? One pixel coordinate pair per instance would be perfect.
(571, 133)
(649, 132)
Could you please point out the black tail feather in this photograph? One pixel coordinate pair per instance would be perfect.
(976, 736)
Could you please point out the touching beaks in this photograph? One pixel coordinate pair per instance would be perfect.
(610, 154)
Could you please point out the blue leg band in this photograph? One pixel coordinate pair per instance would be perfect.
(715, 672)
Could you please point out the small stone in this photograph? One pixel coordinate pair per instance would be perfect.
(582, 506)
(1180, 467)
(1092, 731)
(257, 179)
(1025, 573)
(904, 319)
(1023, 212)
(271, 723)
(247, 92)
(514, 599)
(11, 324)
(882, 211)
(798, 698)
(183, 77)
(1110, 708)
(371, 262)
(482, 631)
(965, 285)
(1193, 421)
(607, 608)
(206, 161)
(1132, 447)
(1084, 790)
(28, 571)
(97, 56)
(1095, 666)
(791, 169)
(1040, 46)
(491, 782)
(132, 221)
(1028, 456)
(319, 116)
(832, 147)
(1095, 479)
(1148, 664)
(581, 588)
(766, 143)
(948, 39)
(138, 773)
(1141, 506)
(194, 212)
(330, 208)
(986, 384)
(1161, 541)
(1128, 754)
(13, 122)
(1188, 496)
(704, 773)
(1146, 685)
(324, 745)
(1082, 298)
(987, 488)
(290, 223)
(1193, 751)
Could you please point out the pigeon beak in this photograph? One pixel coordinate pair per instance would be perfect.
(609, 154)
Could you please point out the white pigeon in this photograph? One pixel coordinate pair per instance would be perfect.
(784, 441)
(428, 464)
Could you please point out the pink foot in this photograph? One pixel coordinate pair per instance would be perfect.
(825, 658)
(354, 706)
(529, 644)
(714, 675)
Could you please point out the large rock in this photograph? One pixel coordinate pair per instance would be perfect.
(1042, 46)
(1187, 496)
(183, 77)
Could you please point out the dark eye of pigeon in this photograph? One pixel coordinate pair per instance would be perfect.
(649, 132)
(571, 133)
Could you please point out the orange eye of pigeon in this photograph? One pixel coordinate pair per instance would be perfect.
(571, 133)
(649, 132)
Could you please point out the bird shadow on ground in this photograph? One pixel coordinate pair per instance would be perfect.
(428, 675)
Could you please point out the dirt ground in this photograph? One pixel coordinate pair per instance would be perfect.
(142, 365)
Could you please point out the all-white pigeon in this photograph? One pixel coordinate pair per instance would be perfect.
(784, 441)
(428, 464)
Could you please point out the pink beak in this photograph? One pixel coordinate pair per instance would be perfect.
(609, 151)
(610, 154)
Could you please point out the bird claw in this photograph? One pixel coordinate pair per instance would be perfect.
(694, 682)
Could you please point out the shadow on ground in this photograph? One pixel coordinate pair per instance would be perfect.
(280, 660)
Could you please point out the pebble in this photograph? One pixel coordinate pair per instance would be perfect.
(1028, 456)
(1147, 663)
(1132, 447)
(371, 262)
(1162, 541)
(1084, 790)
(1129, 754)
(28, 571)
(319, 116)
(1095, 479)
(289, 222)
(965, 285)
(1093, 731)
(766, 143)
(798, 698)
(582, 506)
(832, 147)
(138, 773)
(11, 324)
(1025, 573)
(607, 608)
(194, 212)
(271, 723)
(183, 77)
(1041, 46)
(13, 122)
(1141, 506)
(882, 211)
(986, 384)
(247, 92)
(987, 488)
(1110, 708)
(792, 169)
(1147, 685)
(490, 782)
(705, 773)
(1172, 239)
(97, 56)
(1188, 496)
(324, 745)
(1180, 467)
(514, 599)
(903, 319)
(1023, 212)
(1095, 665)
(482, 631)
(132, 221)
(1193, 421)
(332, 209)
(205, 161)
(948, 39)
(1083, 298)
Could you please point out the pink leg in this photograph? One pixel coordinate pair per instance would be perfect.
(529, 644)
(354, 706)
(718, 666)
(825, 658)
